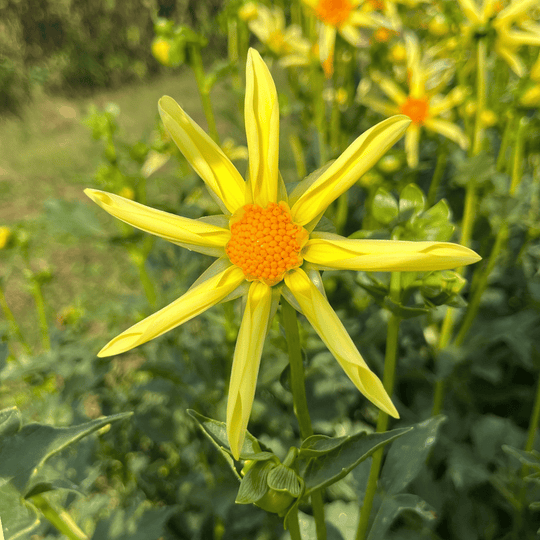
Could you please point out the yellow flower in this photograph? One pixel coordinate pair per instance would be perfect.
(161, 48)
(422, 104)
(512, 25)
(265, 242)
(345, 17)
(5, 233)
(285, 42)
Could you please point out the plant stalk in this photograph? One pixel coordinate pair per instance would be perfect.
(390, 360)
(59, 518)
(298, 389)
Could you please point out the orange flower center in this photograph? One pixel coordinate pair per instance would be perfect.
(333, 12)
(265, 243)
(383, 35)
(416, 109)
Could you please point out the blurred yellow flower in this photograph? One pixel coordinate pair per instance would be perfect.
(5, 233)
(161, 49)
(512, 24)
(268, 24)
(422, 103)
(265, 243)
(345, 17)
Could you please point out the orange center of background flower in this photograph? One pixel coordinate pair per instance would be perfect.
(416, 109)
(265, 243)
(333, 12)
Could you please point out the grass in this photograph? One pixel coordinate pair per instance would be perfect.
(50, 154)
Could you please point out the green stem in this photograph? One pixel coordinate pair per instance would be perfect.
(438, 173)
(298, 389)
(148, 286)
(533, 428)
(469, 212)
(508, 129)
(42, 317)
(15, 328)
(390, 359)
(198, 68)
(293, 525)
(59, 518)
(320, 111)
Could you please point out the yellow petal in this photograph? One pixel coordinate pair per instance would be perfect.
(380, 106)
(190, 233)
(335, 252)
(470, 9)
(327, 324)
(412, 139)
(449, 130)
(261, 113)
(204, 155)
(327, 43)
(245, 368)
(310, 200)
(514, 10)
(511, 58)
(389, 87)
(189, 305)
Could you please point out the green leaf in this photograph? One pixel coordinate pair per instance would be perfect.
(22, 453)
(18, 518)
(318, 445)
(255, 484)
(406, 458)
(385, 207)
(10, 421)
(282, 478)
(404, 312)
(130, 525)
(411, 201)
(530, 459)
(325, 470)
(216, 431)
(392, 506)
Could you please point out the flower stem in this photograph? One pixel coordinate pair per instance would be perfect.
(294, 526)
(42, 317)
(15, 328)
(298, 388)
(469, 212)
(390, 358)
(438, 173)
(59, 518)
(204, 91)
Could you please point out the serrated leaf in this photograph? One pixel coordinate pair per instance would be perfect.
(282, 478)
(411, 201)
(407, 457)
(22, 453)
(255, 484)
(392, 506)
(385, 207)
(318, 445)
(326, 470)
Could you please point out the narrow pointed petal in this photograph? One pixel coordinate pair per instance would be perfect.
(511, 58)
(203, 154)
(176, 229)
(327, 43)
(471, 11)
(449, 130)
(380, 106)
(332, 251)
(514, 10)
(247, 358)
(327, 324)
(519, 37)
(412, 140)
(261, 113)
(309, 202)
(389, 87)
(189, 305)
